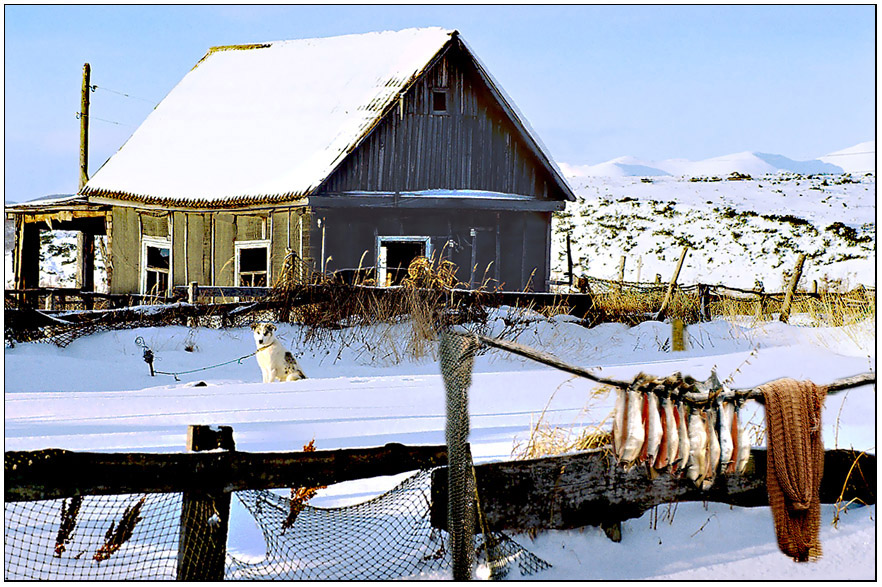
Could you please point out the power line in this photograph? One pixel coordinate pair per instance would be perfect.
(81, 115)
(96, 87)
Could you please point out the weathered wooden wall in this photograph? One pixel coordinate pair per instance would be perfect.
(510, 246)
(125, 250)
(203, 243)
(472, 146)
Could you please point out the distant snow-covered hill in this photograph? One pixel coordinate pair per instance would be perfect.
(737, 231)
(859, 159)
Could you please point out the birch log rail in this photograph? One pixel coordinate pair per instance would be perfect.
(593, 489)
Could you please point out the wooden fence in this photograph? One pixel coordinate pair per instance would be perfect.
(206, 480)
(561, 492)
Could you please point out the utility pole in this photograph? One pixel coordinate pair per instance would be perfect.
(84, 126)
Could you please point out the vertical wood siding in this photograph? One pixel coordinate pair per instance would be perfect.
(472, 146)
(126, 250)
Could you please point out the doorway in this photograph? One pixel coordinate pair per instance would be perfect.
(394, 255)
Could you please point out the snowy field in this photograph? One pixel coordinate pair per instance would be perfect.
(365, 390)
(97, 395)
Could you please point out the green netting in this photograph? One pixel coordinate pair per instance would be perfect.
(136, 537)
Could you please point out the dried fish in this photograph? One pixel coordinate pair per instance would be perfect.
(697, 465)
(680, 414)
(635, 433)
(619, 422)
(671, 437)
(727, 446)
(713, 448)
(743, 450)
(654, 429)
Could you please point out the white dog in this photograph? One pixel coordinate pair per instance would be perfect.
(275, 362)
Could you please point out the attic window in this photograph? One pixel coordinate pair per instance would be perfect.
(439, 101)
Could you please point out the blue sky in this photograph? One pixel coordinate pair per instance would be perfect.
(596, 82)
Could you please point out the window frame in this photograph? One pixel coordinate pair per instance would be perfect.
(252, 244)
(156, 243)
(446, 93)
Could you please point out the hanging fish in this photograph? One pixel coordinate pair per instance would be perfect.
(730, 470)
(713, 448)
(671, 434)
(619, 422)
(697, 466)
(654, 428)
(743, 455)
(727, 445)
(635, 434)
(680, 414)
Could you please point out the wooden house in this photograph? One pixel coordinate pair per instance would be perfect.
(354, 151)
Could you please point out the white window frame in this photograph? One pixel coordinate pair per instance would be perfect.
(255, 244)
(159, 243)
(381, 251)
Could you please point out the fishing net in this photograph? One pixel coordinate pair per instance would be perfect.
(795, 464)
(136, 537)
(114, 537)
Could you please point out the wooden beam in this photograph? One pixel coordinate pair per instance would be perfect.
(592, 489)
(56, 473)
(416, 201)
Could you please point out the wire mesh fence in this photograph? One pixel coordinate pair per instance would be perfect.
(136, 537)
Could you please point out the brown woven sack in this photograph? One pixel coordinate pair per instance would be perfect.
(795, 464)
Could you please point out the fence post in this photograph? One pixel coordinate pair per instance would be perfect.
(678, 338)
(704, 311)
(457, 359)
(193, 292)
(205, 515)
(791, 289)
(569, 260)
(671, 286)
(621, 271)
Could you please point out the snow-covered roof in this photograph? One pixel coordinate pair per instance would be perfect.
(50, 200)
(269, 121)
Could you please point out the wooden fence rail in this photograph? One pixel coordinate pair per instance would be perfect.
(591, 488)
(56, 473)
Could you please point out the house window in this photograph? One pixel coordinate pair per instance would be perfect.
(439, 101)
(156, 263)
(252, 263)
(394, 254)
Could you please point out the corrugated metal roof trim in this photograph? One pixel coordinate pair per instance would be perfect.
(199, 203)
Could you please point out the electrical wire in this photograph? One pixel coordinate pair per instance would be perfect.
(96, 87)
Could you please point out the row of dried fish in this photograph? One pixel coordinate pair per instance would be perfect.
(653, 424)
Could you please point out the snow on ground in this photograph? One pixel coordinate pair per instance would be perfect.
(737, 231)
(97, 394)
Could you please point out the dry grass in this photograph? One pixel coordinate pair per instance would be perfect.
(387, 325)
(631, 305)
(826, 309)
(841, 505)
(549, 440)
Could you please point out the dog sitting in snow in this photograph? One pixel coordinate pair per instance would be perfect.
(275, 362)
